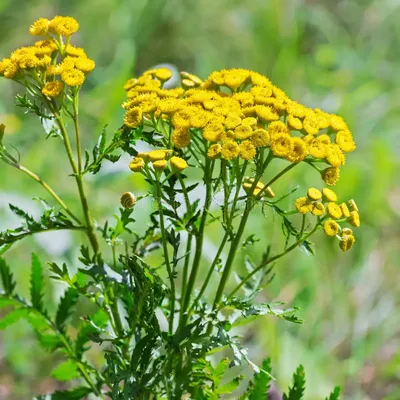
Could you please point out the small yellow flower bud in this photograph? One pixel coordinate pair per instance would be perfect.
(347, 242)
(163, 74)
(345, 210)
(331, 228)
(329, 195)
(354, 219)
(214, 151)
(159, 165)
(318, 209)
(156, 155)
(137, 164)
(53, 88)
(178, 164)
(314, 194)
(303, 205)
(353, 205)
(128, 200)
(334, 210)
(346, 232)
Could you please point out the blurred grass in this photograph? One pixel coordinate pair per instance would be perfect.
(341, 56)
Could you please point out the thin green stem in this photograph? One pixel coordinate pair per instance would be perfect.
(272, 259)
(50, 190)
(77, 130)
(199, 236)
(166, 256)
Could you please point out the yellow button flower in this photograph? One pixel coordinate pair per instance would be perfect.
(330, 175)
(214, 151)
(345, 210)
(318, 209)
(64, 26)
(243, 132)
(137, 164)
(53, 89)
(347, 242)
(303, 205)
(156, 155)
(314, 194)
(329, 195)
(160, 165)
(180, 138)
(331, 228)
(229, 150)
(334, 210)
(73, 77)
(39, 27)
(163, 74)
(260, 138)
(247, 151)
(354, 219)
(353, 205)
(178, 163)
(281, 144)
(133, 117)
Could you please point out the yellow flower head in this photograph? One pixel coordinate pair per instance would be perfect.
(260, 138)
(213, 131)
(232, 120)
(137, 164)
(249, 121)
(39, 27)
(229, 150)
(85, 64)
(247, 151)
(330, 175)
(53, 88)
(317, 149)
(73, 77)
(347, 242)
(334, 210)
(214, 151)
(346, 232)
(228, 135)
(64, 26)
(128, 200)
(10, 69)
(159, 165)
(74, 51)
(167, 106)
(178, 163)
(314, 194)
(354, 219)
(277, 127)
(156, 155)
(266, 113)
(303, 205)
(133, 117)
(318, 209)
(329, 195)
(298, 151)
(243, 132)
(199, 119)
(182, 119)
(310, 124)
(337, 123)
(345, 210)
(281, 144)
(331, 228)
(294, 123)
(130, 83)
(334, 155)
(163, 74)
(353, 205)
(180, 138)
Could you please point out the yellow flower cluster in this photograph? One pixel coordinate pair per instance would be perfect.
(158, 159)
(324, 203)
(49, 58)
(238, 112)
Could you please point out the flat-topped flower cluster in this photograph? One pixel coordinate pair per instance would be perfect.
(49, 65)
(238, 112)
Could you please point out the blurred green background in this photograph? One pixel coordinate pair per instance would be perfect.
(342, 56)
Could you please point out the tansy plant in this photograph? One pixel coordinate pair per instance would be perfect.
(160, 323)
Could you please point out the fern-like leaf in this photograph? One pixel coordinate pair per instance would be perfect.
(36, 283)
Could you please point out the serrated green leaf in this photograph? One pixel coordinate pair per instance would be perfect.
(36, 282)
(67, 302)
(262, 382)
(335, 394)
(229, 387)
(7, 280)
(66, 371)
(12, 317)
(296, 392)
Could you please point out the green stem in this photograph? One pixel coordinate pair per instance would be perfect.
(50, 190)
(199, 235)
(166, 256)
(77, 130)
(227, 231)
(272, 259)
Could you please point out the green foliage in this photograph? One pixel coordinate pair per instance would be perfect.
(66, 305)
(7, 279)
(335, 394)
(262, 382)
(37, 283)
(296, 392)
